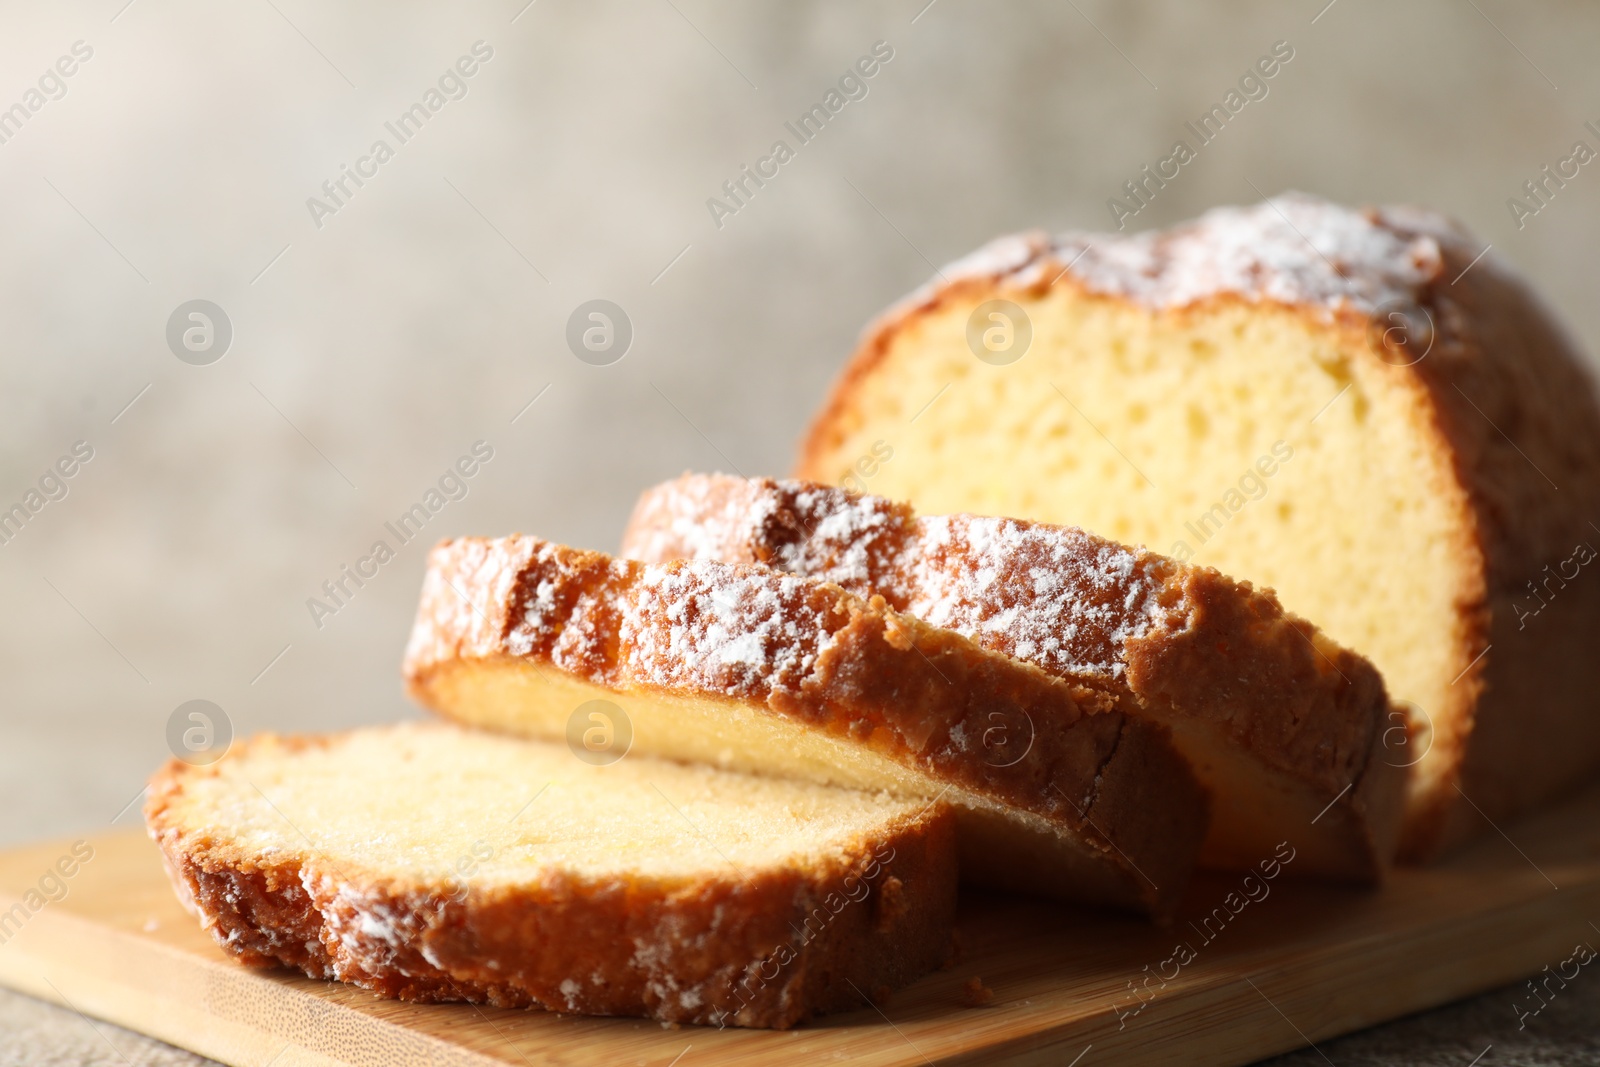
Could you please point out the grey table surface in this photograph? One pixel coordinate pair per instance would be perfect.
(1481, 1032)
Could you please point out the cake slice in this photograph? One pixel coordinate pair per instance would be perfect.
(431, 863)
(1359, 409)
(1285, 729)
(1057, 791)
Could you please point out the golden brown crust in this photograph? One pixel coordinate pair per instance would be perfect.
(1229, 656)
(812, 653)
(1159, 637)
(1503, 393)
(1517, 413)
(754, 948)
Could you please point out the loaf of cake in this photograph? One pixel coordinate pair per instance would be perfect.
(1284, 728)
(1058, 792)
(431, 863)
(1363, 410)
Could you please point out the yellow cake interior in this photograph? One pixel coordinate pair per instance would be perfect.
(1001, 845)
(516, 697)
(445, 806)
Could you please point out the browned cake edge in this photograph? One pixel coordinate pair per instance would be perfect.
(1216, 652)
(767, 948)
(1228, 655)
(856, 670)
(1511, 406)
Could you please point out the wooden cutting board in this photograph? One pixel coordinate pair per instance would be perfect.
(1298, 963)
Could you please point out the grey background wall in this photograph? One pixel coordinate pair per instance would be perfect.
(371, 351)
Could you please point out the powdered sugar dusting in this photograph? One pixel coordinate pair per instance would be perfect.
(1063, 599)
(696, 523)
(1055, 596)
(1003, 255)
(805, 529)
(847, 538)
(1294, 249)
(740, 630)
(561, 607)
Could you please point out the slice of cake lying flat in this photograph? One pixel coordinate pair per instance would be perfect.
(1358, 409)
(1284, 728)
(1057, 791)
(431, 863)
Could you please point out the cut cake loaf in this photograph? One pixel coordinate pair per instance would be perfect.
(1057, 792)
(1358, 409)
(431, 863)
(1285, 729)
